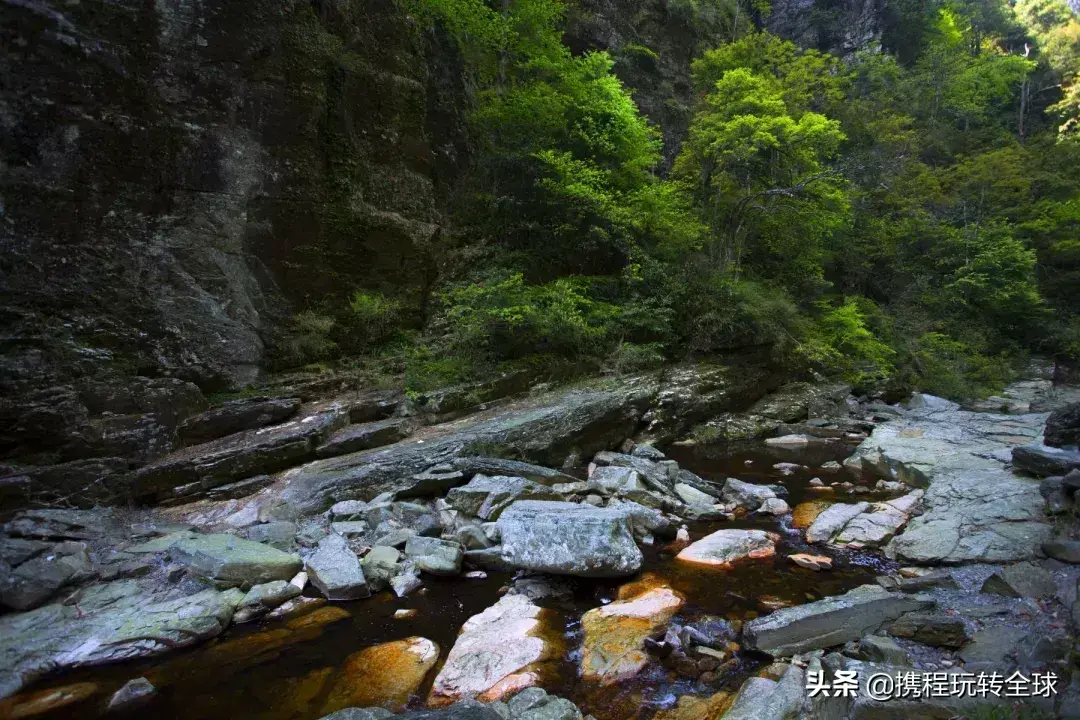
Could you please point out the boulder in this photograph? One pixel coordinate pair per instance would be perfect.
(545, 429)
(363, 436)
(268, 596)
(1063, 550)
(498, 652)
(657, 476)
(794, 401)
(877, 648)
(486, 497)
(729, 427)
(434, 555)
(774, 506)
(829, 622)
(568, 539)
(644, 520)
(1063, 427)
(385, 675)
(236, 416)
(612, 479)
(992, 645)
(832, 520)
(116, 621)
(232, 560)
(1021, 580)
(931, 628)
(724, 547)
(812, 562)
(39, 576)
(133, 694)
(614, 645)
(879, 524)
(692, 496)
(336, 571)
(764, 699)
(1045, 461)
(380, 566)
(747, 495)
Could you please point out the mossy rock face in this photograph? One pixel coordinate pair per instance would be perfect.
(186, 177)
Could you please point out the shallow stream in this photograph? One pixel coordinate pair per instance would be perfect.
(279, 670)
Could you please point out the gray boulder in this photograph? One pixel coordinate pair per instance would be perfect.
(336, 571)
(832, 520)
(269, 595)
(765, 699)
(1063, 550)
(931, 628)
(134, 693)
(234, 561)
(116, 621)
(612, 479)
(1045, 461)
(434, 555)
(829, 622)
(486, 497)
(1063, 427)
(1021, 580)
(724, 547)
(39, 577)
(569, 539)
(657, 476)
(747, 495)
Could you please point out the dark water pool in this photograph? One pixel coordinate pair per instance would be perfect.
(271, 671)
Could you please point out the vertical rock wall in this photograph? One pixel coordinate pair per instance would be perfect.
(179, 176)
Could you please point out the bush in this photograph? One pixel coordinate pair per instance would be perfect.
(952, 369)
(372, 320)
(841, 342)
(506, 318)
(307, 340)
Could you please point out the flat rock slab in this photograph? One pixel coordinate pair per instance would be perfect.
(546, 432)
(725, 547)
(363, 436)
(232, 560)
(119, 621)
(196, 469)
(829, 622)
(614, 645)
(236, 416)
(976, 509)
(497, 653)
(569, 539)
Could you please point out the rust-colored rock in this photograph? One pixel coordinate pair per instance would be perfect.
(384, 675)
(805, 513)
(614, 646)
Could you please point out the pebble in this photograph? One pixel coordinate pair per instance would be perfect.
(404, 613)
(476, 575)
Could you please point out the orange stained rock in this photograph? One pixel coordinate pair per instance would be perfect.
(805, 513)
(614, 645)
(32, 704)
(384, 675)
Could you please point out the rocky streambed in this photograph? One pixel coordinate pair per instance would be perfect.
(663, 548)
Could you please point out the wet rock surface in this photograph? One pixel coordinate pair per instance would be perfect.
(453, 529)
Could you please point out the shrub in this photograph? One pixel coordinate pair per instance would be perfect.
(307, 340)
